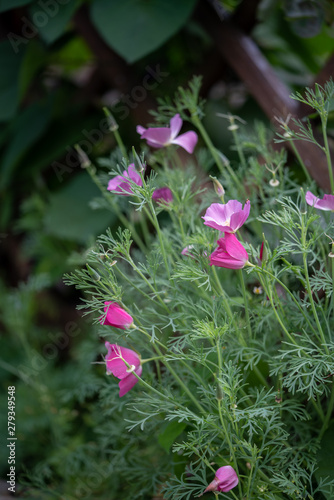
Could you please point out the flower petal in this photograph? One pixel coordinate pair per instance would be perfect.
(175, 126)
(159, 136)
(134, 175)
(187, 141)
(227, 477)
(325, 203)
(126, 384)
(140, 129)
(234, 248)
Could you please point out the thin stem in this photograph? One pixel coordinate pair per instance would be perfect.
(308, 285)
(244, 293)
(233, 128)
(296, 152)
(121, 217)
(157, 227)
(327, 151)
(175, 375)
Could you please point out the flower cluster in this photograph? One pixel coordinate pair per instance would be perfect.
(228, 217)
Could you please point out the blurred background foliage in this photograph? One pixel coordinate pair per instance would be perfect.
(61, 62)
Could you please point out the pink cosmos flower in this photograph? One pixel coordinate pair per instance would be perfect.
(163, 195)
(229, 254)
(121, 184)
(116, 316)
(325, 203)
(227, 217)
(225, 480)
(115, 363)
(159, 137)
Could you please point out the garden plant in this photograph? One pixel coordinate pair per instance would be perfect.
(213, 307)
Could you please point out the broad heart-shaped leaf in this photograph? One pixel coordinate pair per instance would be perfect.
(12, 4)
(134, 28)
(57, 19)
(170, 433)
(325, 458)
(69, 215)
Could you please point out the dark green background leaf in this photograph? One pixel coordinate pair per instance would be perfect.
(325, 457)
(12, 4)
(69, 215)
(170, 433)
(134, 28)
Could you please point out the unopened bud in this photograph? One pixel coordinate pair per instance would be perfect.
(83, 158)
(219, 392)
(233, 127)
(113, 125)
(220, 191)
(93, 273)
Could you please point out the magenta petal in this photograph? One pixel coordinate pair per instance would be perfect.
(227, 217)
(140, 129)
(220, 258)
(239, 218)
(175, 126)
(115, 360)
(128, 382)
(234, 248)
(134, 175)
(159, 136)
(187, 141)
(116, 183)
(116, 316)
(218, 216)
(227, 477)
(163, 195)
(326, 203)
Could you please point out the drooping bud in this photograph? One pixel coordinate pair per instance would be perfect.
(220, 191)
(83, 158)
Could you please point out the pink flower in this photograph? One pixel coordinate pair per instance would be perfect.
(121, 184)
(116, 316)
(225, 480)
(227, 217)
(160, 137)
(325, 203)
(163, 196)
(230, 253)
(115, 363)
(186, 251)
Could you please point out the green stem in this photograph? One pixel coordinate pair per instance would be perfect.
(244, 293)
(327, 151)
(308, 285)
(296, 152)
(236, 326)
(121, 217)
(159, 233)
(175, 375)
(237, 143)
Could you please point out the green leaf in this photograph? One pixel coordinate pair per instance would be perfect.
(9, 80)
(57, 19)
(134, 28)
(12, 4)
(170, 433)
(69, 215)
(26, 130)
(325, 457)
(34, 58)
